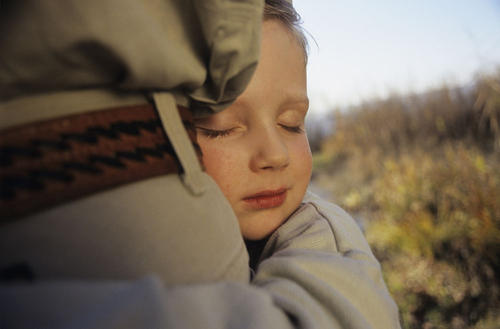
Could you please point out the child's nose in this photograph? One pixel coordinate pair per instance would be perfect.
(270, 152)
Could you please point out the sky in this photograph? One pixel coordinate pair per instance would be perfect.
(369, 49)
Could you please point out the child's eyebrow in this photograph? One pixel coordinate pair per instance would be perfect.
(296, 100)
(288, 100)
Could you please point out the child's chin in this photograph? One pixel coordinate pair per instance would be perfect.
(255, 235)
(253, 230)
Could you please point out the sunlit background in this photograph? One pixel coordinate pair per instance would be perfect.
(368, 49)
(404, 125)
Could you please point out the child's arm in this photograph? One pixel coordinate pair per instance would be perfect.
(319, 267)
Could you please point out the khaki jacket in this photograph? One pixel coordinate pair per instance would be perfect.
(62, 58)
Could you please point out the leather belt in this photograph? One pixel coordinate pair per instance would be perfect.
(47, 163)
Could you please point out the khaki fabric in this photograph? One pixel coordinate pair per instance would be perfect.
(206, 50)
(65, 57)
(40, 107)
(317, 271)
(152, 226)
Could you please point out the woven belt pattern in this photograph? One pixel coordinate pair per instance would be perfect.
(47, 163)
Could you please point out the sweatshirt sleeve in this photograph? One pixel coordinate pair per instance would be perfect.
(319, 269)
(317, 272)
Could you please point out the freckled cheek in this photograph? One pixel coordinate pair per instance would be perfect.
(303, 158)
(224, 166)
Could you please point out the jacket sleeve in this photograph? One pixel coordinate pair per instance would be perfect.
(317, 272)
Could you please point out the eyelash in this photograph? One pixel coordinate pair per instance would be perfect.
(293, 129)
(210, 133)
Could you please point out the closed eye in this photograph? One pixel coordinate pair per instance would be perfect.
(213, 133)
(293, 129)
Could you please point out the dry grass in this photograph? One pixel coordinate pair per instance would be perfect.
(424, 172)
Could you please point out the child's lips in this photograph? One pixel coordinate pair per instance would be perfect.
(266, 199)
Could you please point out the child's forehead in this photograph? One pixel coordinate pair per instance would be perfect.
(272, 26)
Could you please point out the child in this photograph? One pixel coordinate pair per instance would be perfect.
(257, 152)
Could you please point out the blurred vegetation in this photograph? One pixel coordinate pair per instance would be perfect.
(422, 175)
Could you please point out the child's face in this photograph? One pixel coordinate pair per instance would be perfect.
(257, 150)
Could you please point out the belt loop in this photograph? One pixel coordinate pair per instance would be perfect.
(174, 128)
